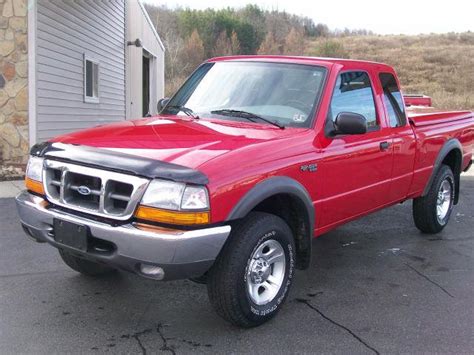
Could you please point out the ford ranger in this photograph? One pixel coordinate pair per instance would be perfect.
(248, 161)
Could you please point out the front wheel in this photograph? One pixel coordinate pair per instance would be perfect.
(250, 279)
(431, 212)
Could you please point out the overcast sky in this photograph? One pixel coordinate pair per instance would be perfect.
(384, 17)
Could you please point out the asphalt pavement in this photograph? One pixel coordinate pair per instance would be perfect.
(376, 285)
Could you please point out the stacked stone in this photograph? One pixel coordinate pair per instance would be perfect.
(13, 83)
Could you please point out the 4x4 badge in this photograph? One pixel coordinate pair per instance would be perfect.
(311, 168)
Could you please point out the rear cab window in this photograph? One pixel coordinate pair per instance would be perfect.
(393, 100)
(353, 93)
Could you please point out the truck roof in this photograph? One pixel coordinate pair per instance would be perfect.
(300, 60)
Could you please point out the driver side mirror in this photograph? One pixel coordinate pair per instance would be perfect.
(162, 103)
(350, 123)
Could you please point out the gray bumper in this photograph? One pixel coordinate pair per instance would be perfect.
(181, 254)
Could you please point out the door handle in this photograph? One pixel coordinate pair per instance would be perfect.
(384, 146)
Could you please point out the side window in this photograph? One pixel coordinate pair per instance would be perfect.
(353, 93)
(91, 80)
(393, 100)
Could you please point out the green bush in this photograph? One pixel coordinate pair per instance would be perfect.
(329, 49)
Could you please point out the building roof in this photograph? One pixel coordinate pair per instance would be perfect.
(150, 23)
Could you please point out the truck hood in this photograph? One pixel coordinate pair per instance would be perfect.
(177, 140)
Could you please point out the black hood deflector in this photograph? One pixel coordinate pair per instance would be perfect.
(119, 162)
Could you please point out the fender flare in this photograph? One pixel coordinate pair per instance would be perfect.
(448, 147)
(280, 185)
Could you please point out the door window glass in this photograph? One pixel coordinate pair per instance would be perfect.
(353, 93)
(393, 100)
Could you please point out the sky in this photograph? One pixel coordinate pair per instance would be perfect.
(382, 17)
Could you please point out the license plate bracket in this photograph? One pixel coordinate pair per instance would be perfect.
(70, 234)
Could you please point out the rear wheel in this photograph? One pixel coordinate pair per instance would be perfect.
(431, 212)
(250, 279)
(83, 266)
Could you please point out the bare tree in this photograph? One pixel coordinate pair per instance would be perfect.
(269, 45)
(234, 43)
(174, 45)
(223, 45)
(294, 42)
(193, 50)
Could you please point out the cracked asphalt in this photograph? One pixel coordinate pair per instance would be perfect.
(375, 286)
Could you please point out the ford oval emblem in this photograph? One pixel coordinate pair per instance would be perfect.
(84, 190)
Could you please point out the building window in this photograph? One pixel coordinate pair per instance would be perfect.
(91, 80)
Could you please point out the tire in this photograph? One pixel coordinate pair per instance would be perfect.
(83, 266)
(431, 212)
(242, 267)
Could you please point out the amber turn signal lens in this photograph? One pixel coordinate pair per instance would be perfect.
(34, 186)
(172, 217)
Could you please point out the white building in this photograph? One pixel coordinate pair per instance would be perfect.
(95, 62)
(70, 65)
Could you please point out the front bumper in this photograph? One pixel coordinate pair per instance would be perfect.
(181, 254)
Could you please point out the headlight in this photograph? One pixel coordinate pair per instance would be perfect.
(34, 175)
(195, 198)
(175, 196)
(164, 194)
(174, 203)
(34, 170)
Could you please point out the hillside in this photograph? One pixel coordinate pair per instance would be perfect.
(441, 66)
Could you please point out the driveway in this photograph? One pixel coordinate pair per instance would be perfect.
(375, 286)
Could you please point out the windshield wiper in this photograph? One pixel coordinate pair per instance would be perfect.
(184, 109)
(245, 114)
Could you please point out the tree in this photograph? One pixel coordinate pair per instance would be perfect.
(227, 46)
(193, 51)
(294, 42)
(255, 16)
(322, 30)
(174, 55)
(223, 45)
(234, 43)
(269, 45)
(248, 40)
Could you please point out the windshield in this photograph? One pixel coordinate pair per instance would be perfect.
(282, 93)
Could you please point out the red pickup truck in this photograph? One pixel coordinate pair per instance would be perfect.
(248, 161)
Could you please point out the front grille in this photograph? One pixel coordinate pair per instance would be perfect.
(99, 192)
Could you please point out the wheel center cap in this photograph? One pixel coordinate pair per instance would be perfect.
(259, 270)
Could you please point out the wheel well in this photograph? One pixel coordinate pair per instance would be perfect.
(454, 160)
(291, 210)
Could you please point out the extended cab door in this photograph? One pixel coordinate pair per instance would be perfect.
(356, 168)
(403, 138)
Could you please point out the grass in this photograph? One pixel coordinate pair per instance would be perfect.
(441, 66)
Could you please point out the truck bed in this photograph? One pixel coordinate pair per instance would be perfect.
(424, 116)
(433, 128)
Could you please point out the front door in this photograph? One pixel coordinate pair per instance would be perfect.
(356, 168)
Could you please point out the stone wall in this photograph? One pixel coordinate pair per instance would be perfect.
(13, 83)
